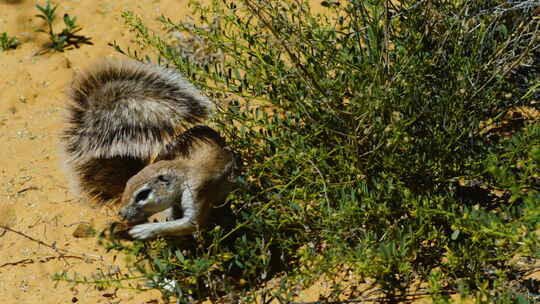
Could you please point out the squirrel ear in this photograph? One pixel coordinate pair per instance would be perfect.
(164, 178)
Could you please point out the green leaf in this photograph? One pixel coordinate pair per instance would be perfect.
(455, 234)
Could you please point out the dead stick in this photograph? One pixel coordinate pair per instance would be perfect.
(41, 260)
(23, 261)
(60, 251)
(407, 297)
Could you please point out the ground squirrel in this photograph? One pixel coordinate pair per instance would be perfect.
(128, 136)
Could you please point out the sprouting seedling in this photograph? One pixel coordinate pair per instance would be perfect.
(67, 38)
(47, 15)
(7, 42)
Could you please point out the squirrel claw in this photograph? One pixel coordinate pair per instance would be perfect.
(144, 231)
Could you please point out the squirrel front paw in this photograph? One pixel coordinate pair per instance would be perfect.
(145, 231)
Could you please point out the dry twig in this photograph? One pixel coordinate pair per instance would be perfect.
(61, 252)
(41, 260)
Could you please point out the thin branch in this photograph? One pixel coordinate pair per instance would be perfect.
(513, 64)
(41, 260)
(62, 252)
(259, 12)
(405, 297)
(323, 181)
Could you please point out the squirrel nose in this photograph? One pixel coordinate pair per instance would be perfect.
(122, 213)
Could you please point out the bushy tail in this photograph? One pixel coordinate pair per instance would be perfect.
(125, 112)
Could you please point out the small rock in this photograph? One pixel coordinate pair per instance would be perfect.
(84, 230)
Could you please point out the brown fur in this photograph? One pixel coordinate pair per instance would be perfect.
(205, 172)
(122, 115)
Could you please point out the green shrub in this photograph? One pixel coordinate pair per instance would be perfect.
(65, 40)
(7, 42)
(363, 151)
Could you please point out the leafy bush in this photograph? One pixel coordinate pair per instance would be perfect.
(368, 145)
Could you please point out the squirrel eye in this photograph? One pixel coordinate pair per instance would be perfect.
(142, 195)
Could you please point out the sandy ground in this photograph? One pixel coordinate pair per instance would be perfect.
(35, 198)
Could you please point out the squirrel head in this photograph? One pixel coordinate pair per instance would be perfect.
(154, 189)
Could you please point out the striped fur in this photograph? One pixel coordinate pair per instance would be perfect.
(122, 115)
(185, 144)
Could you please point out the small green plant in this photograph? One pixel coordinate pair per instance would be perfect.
(67, 38)
(7, 42)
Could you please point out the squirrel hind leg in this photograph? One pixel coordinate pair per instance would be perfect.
(104, 179)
